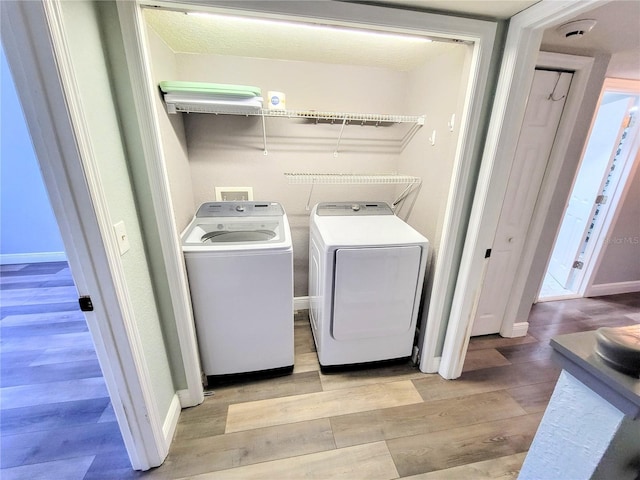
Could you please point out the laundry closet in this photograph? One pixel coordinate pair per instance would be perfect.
(411, 88)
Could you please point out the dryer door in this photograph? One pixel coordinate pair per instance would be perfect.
(374, 291)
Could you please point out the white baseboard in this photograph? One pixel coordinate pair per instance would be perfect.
(300, 303)
(519, 329)
(40, 257)
(171, 421)
(430, 365)
(613, 288)
(187, 399)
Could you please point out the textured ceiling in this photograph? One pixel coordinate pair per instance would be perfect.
(617, 33)
(499, 9)
(227, 35)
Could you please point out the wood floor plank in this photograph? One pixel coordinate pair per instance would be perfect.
(527, 352)
(284, 386)
(503, 468)
(370, 376)
(306, 362)
(303, 338)
(223, 452)
(495, 341)
(60, 443)
(485, 358)
(54, 392)
(362, 462)
(422, 418)
(50, 416)
(205, 420)
(533, 398)
(49, 373)
(47, 318)
(487, 380)
(278, 411)
(69, 469)
(460, 446)
(42, 342)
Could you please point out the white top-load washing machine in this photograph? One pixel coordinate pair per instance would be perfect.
(240, 266)
(366, 270)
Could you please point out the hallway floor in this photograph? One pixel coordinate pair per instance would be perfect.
(380, 423)
(56, 420)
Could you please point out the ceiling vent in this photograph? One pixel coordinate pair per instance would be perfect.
(576, 29)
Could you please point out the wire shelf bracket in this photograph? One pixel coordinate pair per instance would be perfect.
(314, 179)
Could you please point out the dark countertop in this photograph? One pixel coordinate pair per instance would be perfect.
(576, 354)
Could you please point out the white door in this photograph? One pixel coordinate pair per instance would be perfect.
(542, 117)
(596, 163)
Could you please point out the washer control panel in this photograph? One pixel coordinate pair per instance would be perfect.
(240, 209)
(353, 208)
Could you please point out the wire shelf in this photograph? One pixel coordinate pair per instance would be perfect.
(362, 118)
(349, 179)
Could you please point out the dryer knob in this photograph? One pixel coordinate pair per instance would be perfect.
(240, 208)
(355, 207)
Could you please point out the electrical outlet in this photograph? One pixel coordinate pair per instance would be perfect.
(234, 194)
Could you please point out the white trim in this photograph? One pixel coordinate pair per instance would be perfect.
(481, 32)
(613, 288)
(516, 74)
(171, 420)
(517, 330)
(34, 37)
(134, 39)
(555, 298)
(185, 398)
(39, 257)
(137, 369)
(301, 303)
(581, 68)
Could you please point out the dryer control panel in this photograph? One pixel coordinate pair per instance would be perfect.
(353, 208)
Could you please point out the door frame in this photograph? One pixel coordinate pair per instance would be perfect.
(481, 32)
(33, 36)
(510, 243)
(518, 65)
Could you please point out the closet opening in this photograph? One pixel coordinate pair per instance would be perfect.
(378, 108)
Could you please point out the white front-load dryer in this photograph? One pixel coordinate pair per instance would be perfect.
(366, 270)
(239, 262)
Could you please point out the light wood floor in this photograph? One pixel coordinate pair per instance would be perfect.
(382, 423)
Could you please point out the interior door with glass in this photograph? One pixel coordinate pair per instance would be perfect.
(596, 163)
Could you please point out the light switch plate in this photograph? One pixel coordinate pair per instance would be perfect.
(122, 237)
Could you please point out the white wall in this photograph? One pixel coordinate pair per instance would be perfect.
(82, 24)
(29, 231)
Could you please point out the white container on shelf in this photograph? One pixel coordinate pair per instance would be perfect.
(277, 101)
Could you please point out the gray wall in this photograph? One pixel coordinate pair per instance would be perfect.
(82, 23)
(621, 257)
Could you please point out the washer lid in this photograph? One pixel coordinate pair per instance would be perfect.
(236, 233)
(240, 209)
